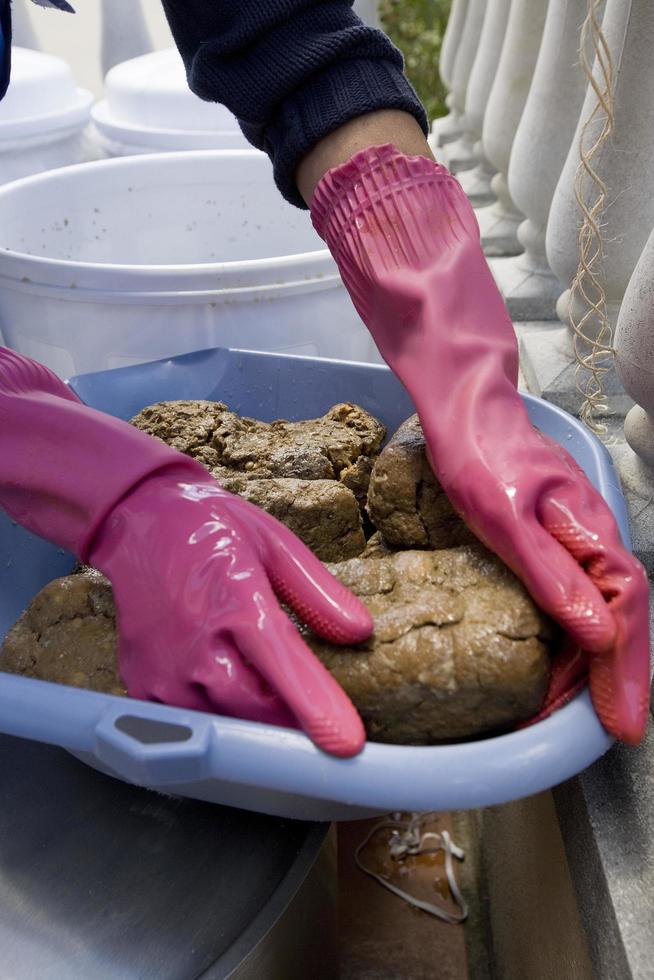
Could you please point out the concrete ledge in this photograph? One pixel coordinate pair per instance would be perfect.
(607, 821)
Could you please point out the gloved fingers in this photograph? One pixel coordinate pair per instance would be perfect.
(302, 582)
(583, 524)
(568, 675)
(218, 680)
(323, 710)
(163, 687)
(233, 687)
(194, 697)
(619, 675)
(561, 587)
(619, 678)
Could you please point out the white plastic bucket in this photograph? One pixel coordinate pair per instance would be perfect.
(121, 261)
(42, 116)
(148, 108)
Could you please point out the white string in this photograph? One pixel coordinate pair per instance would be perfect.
(408, 840)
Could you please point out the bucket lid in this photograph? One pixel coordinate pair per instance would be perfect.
(42, 95)
(152, 92)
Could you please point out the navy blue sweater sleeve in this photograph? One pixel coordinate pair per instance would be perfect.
(5, 45)
(291, 71)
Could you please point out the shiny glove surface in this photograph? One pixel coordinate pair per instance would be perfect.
(196, 572)
(407, 245)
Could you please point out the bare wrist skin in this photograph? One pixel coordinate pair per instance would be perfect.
(373, 129)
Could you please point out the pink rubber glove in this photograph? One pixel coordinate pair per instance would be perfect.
(196, 571)
(407, 245)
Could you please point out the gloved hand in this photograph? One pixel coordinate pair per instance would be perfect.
(196, 571)
(407, 245)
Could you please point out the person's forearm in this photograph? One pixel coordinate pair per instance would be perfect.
(293, 73)
(372, 129)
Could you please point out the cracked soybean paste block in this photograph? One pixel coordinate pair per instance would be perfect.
(68, 635)
(312, 475)
(406, 503)
(459, 648)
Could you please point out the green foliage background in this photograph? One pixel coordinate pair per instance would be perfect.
(417, 28)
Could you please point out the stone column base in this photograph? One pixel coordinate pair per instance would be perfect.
(528, 293)
(498, 230)
(459, 156)
(549, 369)
(477, 185)
(445, 129)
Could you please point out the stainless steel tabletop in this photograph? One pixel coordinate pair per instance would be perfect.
(103, 880)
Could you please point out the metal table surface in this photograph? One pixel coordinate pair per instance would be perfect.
(99, 879)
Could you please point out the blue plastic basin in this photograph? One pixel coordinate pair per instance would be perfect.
(256, 766)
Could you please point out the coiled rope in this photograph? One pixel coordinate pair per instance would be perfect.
(588, 316)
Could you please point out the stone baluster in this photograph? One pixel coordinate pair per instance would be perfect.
(539, 150)
(465, 57)
(124, 32)
(634, 358)
(625, 163)
(448, 128)
(22, 29)
(498, 222)
(476, 181)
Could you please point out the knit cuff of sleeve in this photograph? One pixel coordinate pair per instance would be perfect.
(330, 99)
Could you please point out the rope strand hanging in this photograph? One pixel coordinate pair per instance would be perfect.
(588, 317)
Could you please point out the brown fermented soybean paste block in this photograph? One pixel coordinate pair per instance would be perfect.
(336, 446)
(317, 470)
(405, 500)
(322, 513)
(67, 635)
(459, 647)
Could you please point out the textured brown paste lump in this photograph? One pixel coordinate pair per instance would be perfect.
(405, 500)
(459, 648)
(68, 635)
(311, 475)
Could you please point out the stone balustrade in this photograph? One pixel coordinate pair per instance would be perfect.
(448, 128)
(458, 155)
(499, 222)
(624, 164)
(634, 358)
(540, 147)
(476, 181)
